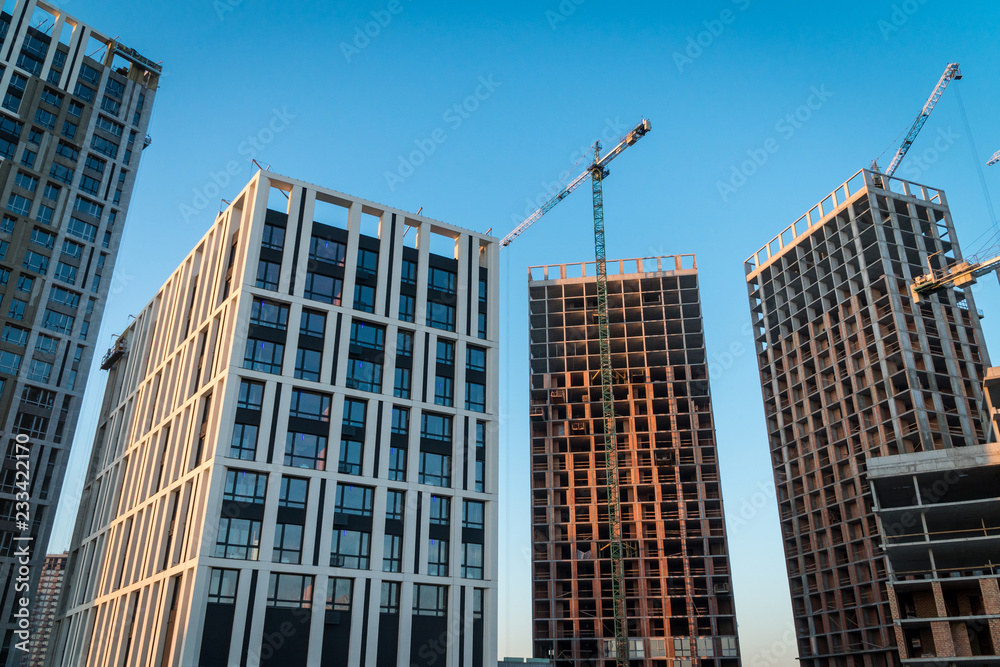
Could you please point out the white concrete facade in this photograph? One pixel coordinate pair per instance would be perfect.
(140, 584)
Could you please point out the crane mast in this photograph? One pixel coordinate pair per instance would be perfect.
(597, 172)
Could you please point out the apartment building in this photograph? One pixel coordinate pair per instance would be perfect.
(852, 369)
(678, 586)
(73, 124)
(296, 460)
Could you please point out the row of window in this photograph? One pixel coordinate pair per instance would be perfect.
(296, 591)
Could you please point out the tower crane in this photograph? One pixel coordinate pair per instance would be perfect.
(961, 274)
(951, 72)
(597, 172)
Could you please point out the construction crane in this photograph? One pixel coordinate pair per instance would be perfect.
(994, 159)
(597, 172)
(962, 274)
(951, 72)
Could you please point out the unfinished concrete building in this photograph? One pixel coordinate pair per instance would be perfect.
(852, 368)
(940, 519)
(678, 586)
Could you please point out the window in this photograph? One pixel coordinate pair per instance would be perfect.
(682, 647)
(349, 462)
(72, 249)
(27, 158)
(394, 503)
(430, 600)
(408, 274)
(61, 173)
(407, 307)
(308, 364)
(268, 274)
(17, 308)
(397, 464)
(222, 586)
(10, 363)
(305, 450)
(339, 592)
(444, 391)
(436, 427)
(81, 229)
(243, 486)
(26, 182)
(18, 204)
(392, 555)
(69, 128)
(36, 262)
(57, 322)
(287, 543)
(7, 224)
(25, 283)
(67, 151)
(404, 343)
(437, 558)
(441, 280)
(44, 214)
(104, 146)
(445, 352)
(269, 314)
(34, 136)
(90, 185)
(472, 560)
(31, 425)
(47, 344)
(45, 118)
(51, 192)
(472, 514)
(356, 500)
(94, 164)
(364, 298)
(312, 323)
(109, 126)
(251, 396)
(88, 207)
(66, 273)
(435, 469)
(244, 443)
(706, 647)
(367, 261)
(110, 105)
(364, 375)
(350, 549)
(728, 645)
(440, 316)
(475, 396)
(64, 297)
(75, 109)
(440, 511)
(290, 591)
(482, 326)
(401, 383)
(475, 359)
(480, 485)
(325, 250)
(354, 413)
(39, 371)
(310, 405)
(4, 245)
(323, 288)
(263, 355)
(15, 335)
(294, 492)
(400, 420)
(238, 539)
(4, 276)
(390, 598)
(89, 74)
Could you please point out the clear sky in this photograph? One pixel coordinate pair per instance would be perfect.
(814, 91)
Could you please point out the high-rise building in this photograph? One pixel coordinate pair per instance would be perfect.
(72, 126)
(46, 600)
(678, 586)
(296, 458)
(851, 369)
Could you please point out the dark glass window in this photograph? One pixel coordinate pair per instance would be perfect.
(352, 499)
(294, 492)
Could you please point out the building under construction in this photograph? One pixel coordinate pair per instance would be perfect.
(851, 369)
(678, 590)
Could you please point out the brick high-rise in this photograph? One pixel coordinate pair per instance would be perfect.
(679, 600)
(852, 368)
(72, 127)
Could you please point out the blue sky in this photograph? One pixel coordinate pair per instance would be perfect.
(813, 90)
